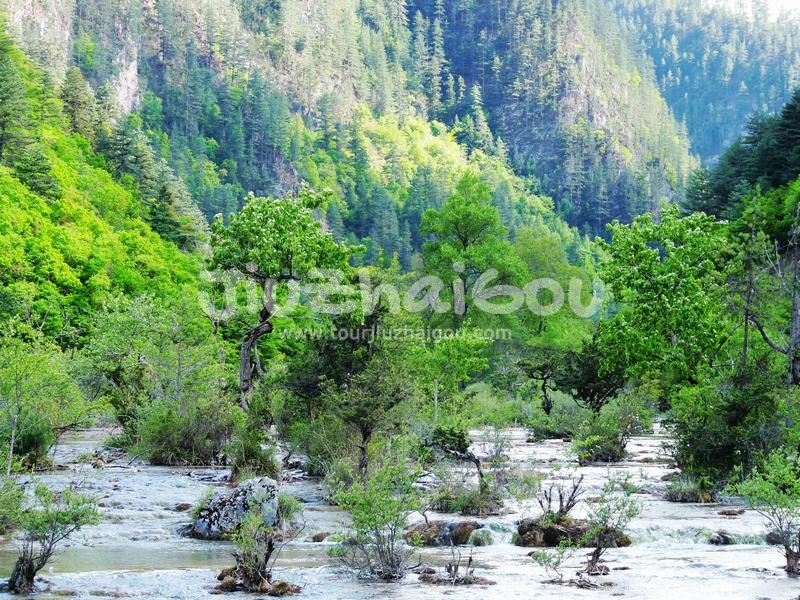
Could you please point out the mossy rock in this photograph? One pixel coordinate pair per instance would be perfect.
(481, 537)
(541, 533)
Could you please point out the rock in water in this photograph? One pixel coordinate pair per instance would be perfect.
(721, 538)
(441, 533)
(221, 514)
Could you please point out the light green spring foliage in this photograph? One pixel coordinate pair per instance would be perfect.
(667, 277)
(39, 395)
(773, 489)
(276, 238)
(467, 238)
(62, 255)
(552, 559)
(54, 515)
(383, 503)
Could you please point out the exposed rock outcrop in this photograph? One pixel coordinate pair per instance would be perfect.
(221, 514)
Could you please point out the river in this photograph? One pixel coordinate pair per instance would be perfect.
(135, 551)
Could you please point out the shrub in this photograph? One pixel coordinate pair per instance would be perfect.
(690, 488)
(251, 451)
(207, 495)
(563, 421)
(773, 489)
(255, 553)
(288, 508)
(479, 501)
(52, 518)
(603, 437)
(323, 441)
(339, 477)
(452, 437)
(481, 537)
(607, 519)
(553, 559)
(483, 406)
(379, 508)
(33, 441)
(721, 423)
(170, 434)
(11, 497)
(456, 493)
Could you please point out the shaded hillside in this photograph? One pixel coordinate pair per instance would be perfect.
(716, 67)
(575, 104)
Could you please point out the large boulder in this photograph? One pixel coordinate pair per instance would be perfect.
(443, 533)
(222, 513)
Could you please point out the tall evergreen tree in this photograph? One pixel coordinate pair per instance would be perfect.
(13, 102)
(79, 103)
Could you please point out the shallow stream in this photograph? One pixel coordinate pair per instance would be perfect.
(135, 551)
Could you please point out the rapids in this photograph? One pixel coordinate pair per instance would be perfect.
(135, 552)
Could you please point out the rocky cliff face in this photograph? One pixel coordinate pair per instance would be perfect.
(43, 30)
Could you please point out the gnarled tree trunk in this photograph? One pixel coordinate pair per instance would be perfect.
(21, 580)
(792, 562)
(248, 358)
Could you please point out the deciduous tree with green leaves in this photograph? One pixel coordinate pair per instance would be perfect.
(50, 519)
(272, 241)
(667, 277)
(450, 362)
(37, 391)
(773, 490)
(466, 239)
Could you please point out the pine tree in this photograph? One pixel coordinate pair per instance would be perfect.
(33, 168)
(13, 103)
(420, 60)
(107, 113)
(131, 154)
(45, 107)
(164, 219)
(398, 13)
(437, 68)
(79, 103)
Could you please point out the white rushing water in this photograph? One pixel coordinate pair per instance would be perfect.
(135, 551)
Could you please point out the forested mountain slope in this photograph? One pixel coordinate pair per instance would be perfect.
(716, 66)
(71, 236)
(576, 106)
(226, 90)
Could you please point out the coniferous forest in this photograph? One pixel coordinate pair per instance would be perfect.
(473, 299)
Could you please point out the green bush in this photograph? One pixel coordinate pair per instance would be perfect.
(379, 509)
(33, 440)
(483, 405)
(773, 490)
(251, 452)
(323, 441)
(690, 488)
(603, 437)
(481, 537)
(169, 434)
(563, 421)
(455, 494)
(288, 508)
(11, 497)
(339, 476)
(721, 423)
(452, 437)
